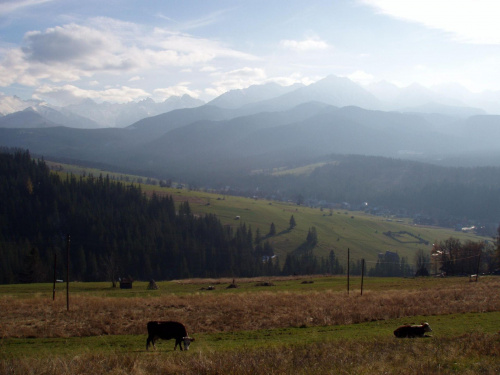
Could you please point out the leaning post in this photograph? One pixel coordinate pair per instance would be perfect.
(478, 265)
(54, 286)
(67, 272)
(348, 265)
(362, 274)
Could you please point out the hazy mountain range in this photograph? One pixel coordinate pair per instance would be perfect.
(338, 91)
(264, 126)
(87, 114)
(243, 137)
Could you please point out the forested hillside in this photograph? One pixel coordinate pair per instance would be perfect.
(444, 196)
(409, 163)
(115, 231)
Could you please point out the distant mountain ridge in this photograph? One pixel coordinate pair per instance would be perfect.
(253, 94)
(454, 101)
(121, 115)
(208, 137)
(91, 115)
(25, 119)
(333, 115)
(239, 148)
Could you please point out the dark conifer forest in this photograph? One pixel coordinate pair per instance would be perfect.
(115, 231)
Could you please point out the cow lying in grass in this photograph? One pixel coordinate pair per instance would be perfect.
(167, 331)
(413, 330)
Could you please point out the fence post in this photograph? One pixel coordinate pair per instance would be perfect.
(478, 265)
(362, 274)
(348, 270)
(67, 272)
(54, 286)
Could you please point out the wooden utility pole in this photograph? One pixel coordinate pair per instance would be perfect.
(362, 274)
(478, 265)
(54, 288)
(67, 272)
(348, 265)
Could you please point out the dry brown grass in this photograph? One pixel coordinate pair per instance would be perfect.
(468, 354)
(89, 316)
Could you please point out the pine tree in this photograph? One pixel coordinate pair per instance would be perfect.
(331, 262)
(312, 237)
(258, 238)
(272, 230)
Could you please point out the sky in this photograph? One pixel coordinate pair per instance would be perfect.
(62, 51)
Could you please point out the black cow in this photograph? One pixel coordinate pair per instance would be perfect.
(412, 330)
(167, 331)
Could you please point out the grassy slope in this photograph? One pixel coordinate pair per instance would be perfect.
(361, 233)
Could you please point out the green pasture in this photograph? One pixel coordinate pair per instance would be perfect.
(443, 326)
(337, 229)
(305, 170)
(302, 284)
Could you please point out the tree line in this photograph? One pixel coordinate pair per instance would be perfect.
(443, 195)
(115, 231)
(452, 257)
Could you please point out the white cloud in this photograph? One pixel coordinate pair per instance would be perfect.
(178, 90)
(64, 54)
(213, 92)
(12, 68)
(71, 52)
(203, 21)
(208, 69)
(181, 49)
(68, 94)
(247, 73)
(10, 104)
(361, 77)
(79, 47)
(236, 79)
(294, 78)
(309, 44)
(122, 94)
(135, 78)
(10, 6)
(468, 21)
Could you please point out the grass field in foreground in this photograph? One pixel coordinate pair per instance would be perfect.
(289, 328)
(443, 326)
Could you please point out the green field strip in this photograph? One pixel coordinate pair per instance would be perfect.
(444, 326)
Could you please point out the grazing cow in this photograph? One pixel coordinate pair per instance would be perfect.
(167, 331)
(412, 330)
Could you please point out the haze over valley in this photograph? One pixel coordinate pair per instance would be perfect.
(388, 109)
